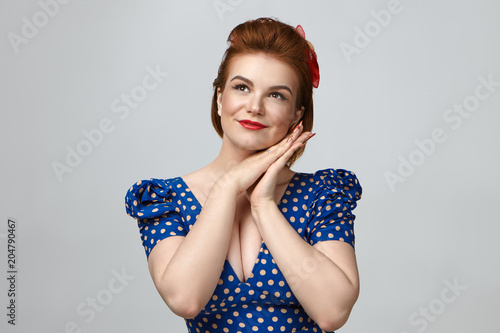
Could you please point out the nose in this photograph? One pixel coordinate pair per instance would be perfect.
(255, 105)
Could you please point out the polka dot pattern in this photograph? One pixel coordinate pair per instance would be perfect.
(155, 205)
(319, 206)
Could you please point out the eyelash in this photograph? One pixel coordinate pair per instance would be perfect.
(280, 95)
(239, 86)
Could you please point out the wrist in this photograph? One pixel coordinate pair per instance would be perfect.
(226, 184)
(262, 208)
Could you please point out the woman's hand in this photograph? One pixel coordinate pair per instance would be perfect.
(263, 190)
(247, 173)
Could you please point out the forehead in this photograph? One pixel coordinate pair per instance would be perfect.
(263, 70)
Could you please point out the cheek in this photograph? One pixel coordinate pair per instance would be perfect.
(282, 126)
(286, 118)
(228, 107)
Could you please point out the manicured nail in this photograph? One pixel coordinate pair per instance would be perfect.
(305, 141)
(297, 127)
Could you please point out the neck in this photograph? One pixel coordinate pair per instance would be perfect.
(229, 156)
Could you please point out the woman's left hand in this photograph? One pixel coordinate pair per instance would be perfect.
(264, 189)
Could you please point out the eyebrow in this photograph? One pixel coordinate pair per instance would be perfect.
(242, 78)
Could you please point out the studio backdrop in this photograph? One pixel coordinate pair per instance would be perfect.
(96, 95)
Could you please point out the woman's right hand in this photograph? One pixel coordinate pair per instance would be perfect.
(245, 174)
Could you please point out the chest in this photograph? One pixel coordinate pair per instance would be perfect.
(245, 241)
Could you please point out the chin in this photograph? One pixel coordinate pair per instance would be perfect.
(253, 143)
(263, 145)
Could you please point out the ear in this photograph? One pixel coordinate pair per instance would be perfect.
(298, 114)
(219, 101)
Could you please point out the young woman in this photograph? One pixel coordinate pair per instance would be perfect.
(245, 244)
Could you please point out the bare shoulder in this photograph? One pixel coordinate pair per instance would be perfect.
(199, 183)
(196, 178)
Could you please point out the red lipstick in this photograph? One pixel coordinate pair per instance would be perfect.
(251, 125)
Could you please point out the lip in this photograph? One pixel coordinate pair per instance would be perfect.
(251, 125)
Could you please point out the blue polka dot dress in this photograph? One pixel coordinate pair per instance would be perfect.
(319, 206)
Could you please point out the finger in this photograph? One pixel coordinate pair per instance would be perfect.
(261, 162)
(294, 127)
(297, 131)
(280, 162)
(302, 140)
(288, 141)
(298, 143)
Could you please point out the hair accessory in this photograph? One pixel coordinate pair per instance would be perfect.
(312, 59)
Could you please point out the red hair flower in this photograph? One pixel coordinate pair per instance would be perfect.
(312, 59)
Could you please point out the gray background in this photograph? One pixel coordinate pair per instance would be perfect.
(438, 227)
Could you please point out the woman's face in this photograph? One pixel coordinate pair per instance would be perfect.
(257, 106)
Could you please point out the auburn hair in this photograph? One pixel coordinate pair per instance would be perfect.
(280, 41)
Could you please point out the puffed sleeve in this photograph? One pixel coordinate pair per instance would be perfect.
(151, 203)
(335, 197)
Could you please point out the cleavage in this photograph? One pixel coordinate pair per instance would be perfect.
(245, 242)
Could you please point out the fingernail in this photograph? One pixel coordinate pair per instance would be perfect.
(297, 127)
(289, 139)
(310, 136)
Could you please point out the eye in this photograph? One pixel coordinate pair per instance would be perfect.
(240, 87)
(278, 95)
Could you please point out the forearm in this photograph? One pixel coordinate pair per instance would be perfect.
(324, 290)
(193, 271)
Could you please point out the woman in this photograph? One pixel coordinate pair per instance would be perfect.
(245, 244)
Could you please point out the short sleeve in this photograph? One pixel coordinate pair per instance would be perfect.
(331, 216)
(151, 203)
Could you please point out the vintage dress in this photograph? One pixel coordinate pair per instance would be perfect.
(319, 206)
